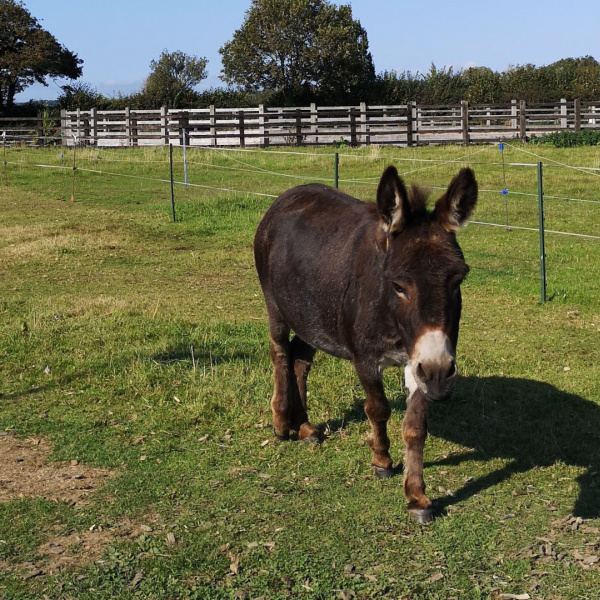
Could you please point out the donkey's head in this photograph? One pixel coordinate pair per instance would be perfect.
(424, 267)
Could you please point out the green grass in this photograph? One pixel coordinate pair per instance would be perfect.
(112, 295)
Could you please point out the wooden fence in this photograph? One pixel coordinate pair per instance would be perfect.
(402, 125)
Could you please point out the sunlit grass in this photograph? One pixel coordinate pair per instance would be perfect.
(139, 344)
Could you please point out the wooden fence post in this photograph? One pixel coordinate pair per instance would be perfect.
(464, 114)
(522, 121)
(513, 113)
(410, 106)
(213, 124)
(298, 127)
(314, 128)
(63, 126)
(264, 133)
(184, 128)
(563, 113)
(134, 129)
(40, 127)
(242, 127)
(77, 125)
(127, 126)
(353, 126)
(94, 126)
(365, 137)
(164, 131)
(86, 128)
(577, 114)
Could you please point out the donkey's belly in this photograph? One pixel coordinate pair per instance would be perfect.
(315, 334)
(330, 346)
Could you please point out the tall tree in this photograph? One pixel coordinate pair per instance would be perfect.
(29, 54)
(173, 77)
(301, 49)
(481, 84)
(525, 82)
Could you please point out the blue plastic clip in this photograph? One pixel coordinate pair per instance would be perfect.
(504, 191)
(500, 146)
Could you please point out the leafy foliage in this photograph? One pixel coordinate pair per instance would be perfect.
(173, 77)
(568, 139)
(317, 51)
(568, 78)
(82, 95)
(481, 84)
(230, 97)
(29, 54)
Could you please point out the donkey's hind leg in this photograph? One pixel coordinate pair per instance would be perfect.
(302, 355)
(281, 406)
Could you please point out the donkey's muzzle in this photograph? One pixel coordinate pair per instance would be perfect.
(432, 369)
(436, 381)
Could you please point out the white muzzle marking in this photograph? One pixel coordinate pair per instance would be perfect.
(431, 368)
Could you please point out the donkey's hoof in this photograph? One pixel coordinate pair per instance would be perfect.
(386, 473)
(382, 473)
(281, 436)
(421, 515)
(310, 439)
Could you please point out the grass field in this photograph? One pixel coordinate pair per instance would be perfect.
(136, 454)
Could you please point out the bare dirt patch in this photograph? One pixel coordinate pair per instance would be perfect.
(79, 549)
(25, 472)
(70, 552)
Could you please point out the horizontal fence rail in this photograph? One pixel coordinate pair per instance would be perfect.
(401, 125)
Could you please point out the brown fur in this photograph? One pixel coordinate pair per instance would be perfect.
(364, 282)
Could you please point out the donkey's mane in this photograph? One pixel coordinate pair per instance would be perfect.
(418, 197)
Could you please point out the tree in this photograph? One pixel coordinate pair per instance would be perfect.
(526, 82)
(482, 85)
(397, 88)
(586, 84)
(29, 54)
(173, 77)
(572, 78)
(82, 95)
(301, 49)
(442, 86)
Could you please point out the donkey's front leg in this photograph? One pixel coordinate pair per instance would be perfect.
(378, 412)
(414, 433)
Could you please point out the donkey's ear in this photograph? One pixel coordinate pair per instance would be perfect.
(454, 208)
(392, 201)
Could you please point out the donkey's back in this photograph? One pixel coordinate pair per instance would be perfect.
(305, 249)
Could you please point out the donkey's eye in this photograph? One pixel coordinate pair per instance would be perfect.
(455, 281)
(400, 290)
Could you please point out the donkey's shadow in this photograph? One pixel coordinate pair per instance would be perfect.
(530, 423)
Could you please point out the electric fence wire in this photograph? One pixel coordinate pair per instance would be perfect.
(362, 181)
(234, 191)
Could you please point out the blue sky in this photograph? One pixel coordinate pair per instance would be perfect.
(117, 39)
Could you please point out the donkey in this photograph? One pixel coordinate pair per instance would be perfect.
(374, 283)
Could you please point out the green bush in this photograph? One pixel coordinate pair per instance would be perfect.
(568, 139)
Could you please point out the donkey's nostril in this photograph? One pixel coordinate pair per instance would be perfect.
(421, 374)
(427, 371)
(452, 370)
